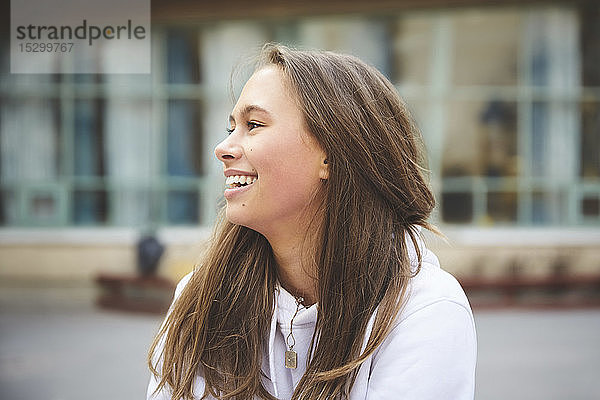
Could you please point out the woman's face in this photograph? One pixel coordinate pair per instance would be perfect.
(272, 164)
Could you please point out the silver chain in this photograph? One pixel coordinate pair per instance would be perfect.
(290, 340)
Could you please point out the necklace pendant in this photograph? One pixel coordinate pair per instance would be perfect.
(291, 359)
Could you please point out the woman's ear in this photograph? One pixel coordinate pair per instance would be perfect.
(324, 170)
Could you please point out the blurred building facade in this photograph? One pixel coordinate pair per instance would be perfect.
(507, 98)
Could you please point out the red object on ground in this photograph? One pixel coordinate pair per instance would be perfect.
(554, 291)
(150, 294)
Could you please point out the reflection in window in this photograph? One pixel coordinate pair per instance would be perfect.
(183, 62)
(366, 38)
(89, 207)
(42, 208)
(481, 139)
(590, 206)
(502, 207)
(88, 139)
(539, 138)
(29, 158)
(486, 47)
(590, 140)
(184, 132)
(125, 212)
(589, 16)
(8, 207)
(498, 124)
(182, 207)
(184, 139)
(132, 149)
(548, 207)
(129, 159)
(463, 141)
(29, 149)
(413, 47)
(554, 66)
(457, 208)
(5, 197)
(183, 158)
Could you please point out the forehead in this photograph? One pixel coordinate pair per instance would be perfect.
(266, 89)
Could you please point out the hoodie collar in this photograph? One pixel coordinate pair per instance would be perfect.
(284, 305)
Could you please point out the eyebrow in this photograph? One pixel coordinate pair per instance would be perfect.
(248, 109)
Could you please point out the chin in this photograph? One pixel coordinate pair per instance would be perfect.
(242, 218)
(238, 215)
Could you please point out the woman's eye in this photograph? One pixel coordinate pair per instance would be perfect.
(229, 130)
(252, 125)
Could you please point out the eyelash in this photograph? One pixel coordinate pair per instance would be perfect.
(251, 125)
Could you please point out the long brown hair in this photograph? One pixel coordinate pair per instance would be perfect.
(375, 196)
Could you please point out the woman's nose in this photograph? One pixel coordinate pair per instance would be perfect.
(228, 149)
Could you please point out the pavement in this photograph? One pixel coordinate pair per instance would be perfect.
(55, 345)
(530, 355)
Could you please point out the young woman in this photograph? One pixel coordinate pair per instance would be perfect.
(317, 284)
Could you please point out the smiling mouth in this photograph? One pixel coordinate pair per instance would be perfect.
(237, 181)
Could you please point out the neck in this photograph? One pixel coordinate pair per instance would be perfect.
(295, 253)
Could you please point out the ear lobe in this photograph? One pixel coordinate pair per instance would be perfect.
(324, 170)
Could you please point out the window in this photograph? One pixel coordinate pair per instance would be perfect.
(118, 150)
(507, 100)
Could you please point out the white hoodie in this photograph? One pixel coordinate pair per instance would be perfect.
(429, 355)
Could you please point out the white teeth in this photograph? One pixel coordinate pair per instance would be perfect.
(240, 179)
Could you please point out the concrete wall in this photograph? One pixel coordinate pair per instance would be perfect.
(76, 257)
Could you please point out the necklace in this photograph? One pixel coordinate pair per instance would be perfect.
(291, 357)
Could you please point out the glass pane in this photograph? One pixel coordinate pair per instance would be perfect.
(88, 139)
(413, 44)
(457, 207)
(590, 43)
(42, 208)
(8, 207)
(130, 158)
(539, 137)
(183, 63)
(184, 138)
(486, 47)
(549, 208)
(89, 207)
(182, 207)
(590, 140)
(129, 139)
(86, 78)
(551, 39)
(131, 207)
(553, 150)
(29, 140)
(366, 38)
(481, 139)
(502, 207)
(590, 206)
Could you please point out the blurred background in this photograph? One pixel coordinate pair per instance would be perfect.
(507, 95)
